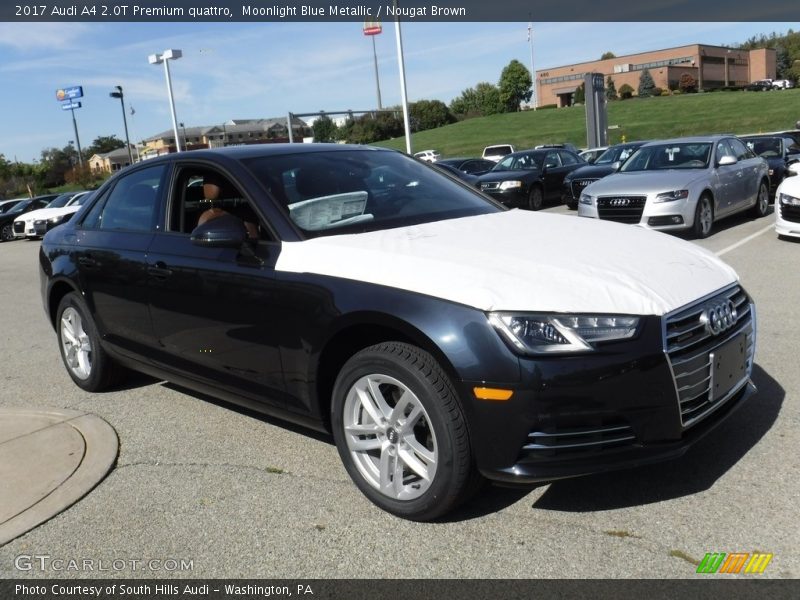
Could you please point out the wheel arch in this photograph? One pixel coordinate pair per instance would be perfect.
(55, 294)
(353, 334)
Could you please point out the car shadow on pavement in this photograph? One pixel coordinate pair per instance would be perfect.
(697, 470)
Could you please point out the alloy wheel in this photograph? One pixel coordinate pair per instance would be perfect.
(76, 344)
(389, 436)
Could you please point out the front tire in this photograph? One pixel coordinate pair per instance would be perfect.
(401, 432)
(535, 198)
(89, 366)
(703, 217)
(762, 201)
(7, 233)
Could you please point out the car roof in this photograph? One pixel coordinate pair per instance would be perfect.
(261, 150)
(691, 139)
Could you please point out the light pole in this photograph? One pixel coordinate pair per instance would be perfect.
(120, 95)
(165, 57)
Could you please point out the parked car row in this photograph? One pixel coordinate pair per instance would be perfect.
(19, 217)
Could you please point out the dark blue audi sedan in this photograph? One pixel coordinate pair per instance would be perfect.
(441, 338)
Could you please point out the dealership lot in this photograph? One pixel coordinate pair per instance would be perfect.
(240, 495)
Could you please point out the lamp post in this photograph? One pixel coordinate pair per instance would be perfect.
(165, 57)
(120, 95)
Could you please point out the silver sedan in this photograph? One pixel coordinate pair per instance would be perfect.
(686, 183)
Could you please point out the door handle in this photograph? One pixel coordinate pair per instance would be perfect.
(159, 270)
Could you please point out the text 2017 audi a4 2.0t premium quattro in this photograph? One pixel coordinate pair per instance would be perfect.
(440, 337)
(686, 183)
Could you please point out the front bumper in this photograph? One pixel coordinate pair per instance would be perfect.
(513, 198)
(625, 406)
(663, 216)
(787, 220)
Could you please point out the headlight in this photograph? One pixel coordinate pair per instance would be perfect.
(586, 199)
(672, 196)
(510, 185)
(788, 200)
(539, 334)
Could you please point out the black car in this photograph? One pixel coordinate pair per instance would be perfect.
(607, 163)
(779, 151)
(473, 166)
(762, 85)
(529, 178)
(20, 208)
(357, 291)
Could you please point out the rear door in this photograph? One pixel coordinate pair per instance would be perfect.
(111, 250)
(750, 167)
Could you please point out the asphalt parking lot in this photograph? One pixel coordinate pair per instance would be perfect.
(241, 495)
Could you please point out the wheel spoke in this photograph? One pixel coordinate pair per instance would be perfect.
(377, 396)
(366, 400)
(364, 445)
(363, 429)
(411, 419)
(387, 468)
(399, 411)
(415, 464)
(428, 456)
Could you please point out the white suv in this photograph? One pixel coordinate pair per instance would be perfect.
(428, 155)
(497, 152)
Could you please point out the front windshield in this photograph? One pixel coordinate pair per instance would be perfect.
(766, 147)
(519, 162)
(347, 191)
(61, 200)
(677, 155)
(19, 207)
(8, 206)
(617, 153)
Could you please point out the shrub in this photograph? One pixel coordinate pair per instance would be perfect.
(625, 91)
(656, 91)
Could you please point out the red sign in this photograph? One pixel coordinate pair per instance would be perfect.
(372, 27)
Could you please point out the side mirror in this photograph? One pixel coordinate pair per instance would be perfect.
(226, 231)
(727, 160)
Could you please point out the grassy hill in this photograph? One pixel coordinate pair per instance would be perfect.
(638, 118)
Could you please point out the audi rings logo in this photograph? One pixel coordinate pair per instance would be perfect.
(719, 317)
(619, 202)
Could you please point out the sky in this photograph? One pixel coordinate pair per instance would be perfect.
(262, 70)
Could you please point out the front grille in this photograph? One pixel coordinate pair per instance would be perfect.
(622, 209)
(578, 185)
(577, 440)
(40, 227)
(19, 227)
(704, 365)
(790, 213)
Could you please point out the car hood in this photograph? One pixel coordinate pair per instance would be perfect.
(522, 261)
(508, 175)
(646, 182)
(588, 171)
(46, 213)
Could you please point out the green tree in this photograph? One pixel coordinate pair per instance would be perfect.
(646, 84)
(482, 100)
(324, 129)
(580, 94)
(429, 114)
(103, 144)
(607, 55)
(515, 86)
(611, 89)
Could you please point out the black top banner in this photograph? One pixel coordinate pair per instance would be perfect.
(404, 10)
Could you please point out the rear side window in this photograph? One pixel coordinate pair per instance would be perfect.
(131, 205)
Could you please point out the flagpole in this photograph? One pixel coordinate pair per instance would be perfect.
(533, 72)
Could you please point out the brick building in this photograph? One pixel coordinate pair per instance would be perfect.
(711, 66)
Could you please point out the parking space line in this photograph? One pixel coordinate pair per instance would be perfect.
(742, 242)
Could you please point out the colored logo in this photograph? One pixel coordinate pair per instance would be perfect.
(61, 95)
(735, 562)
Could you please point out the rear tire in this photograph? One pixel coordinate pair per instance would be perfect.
(401, 432)
(761, 207)
(703, 217)
(7, 233)
(89, 366)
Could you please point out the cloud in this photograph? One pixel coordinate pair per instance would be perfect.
(32, 37)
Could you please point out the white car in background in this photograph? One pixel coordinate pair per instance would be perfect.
(787, 205)
(428, 155)
(65, 205)
(496, 152)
